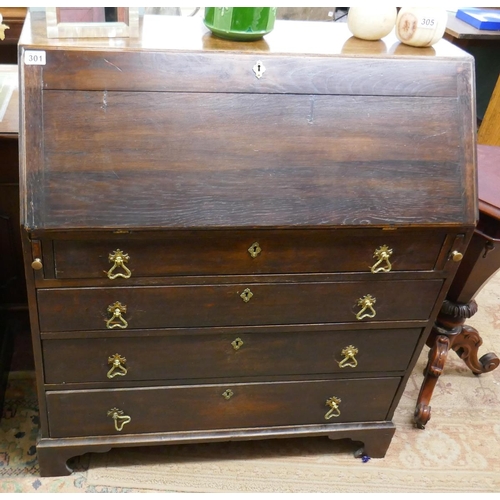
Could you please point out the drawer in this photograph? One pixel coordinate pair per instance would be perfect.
(64, 309)
(220, 355)
(202, 407)
(248, 252)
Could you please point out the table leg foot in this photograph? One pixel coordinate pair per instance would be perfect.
(434, 368)
(467, 344)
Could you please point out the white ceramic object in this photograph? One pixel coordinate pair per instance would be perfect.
(371, 23)
(421, 26)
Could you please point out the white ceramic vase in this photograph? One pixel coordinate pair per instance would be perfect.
(421, 26)
(371, 23)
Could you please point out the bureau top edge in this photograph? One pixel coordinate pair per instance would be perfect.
(289, 38)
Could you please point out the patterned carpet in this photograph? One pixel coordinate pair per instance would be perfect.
(457, 452)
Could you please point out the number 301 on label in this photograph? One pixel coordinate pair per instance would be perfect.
(35, 57)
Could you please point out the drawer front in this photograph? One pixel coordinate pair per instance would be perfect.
(164, 409)
(248, 252)
(64, 309)
(206, 356)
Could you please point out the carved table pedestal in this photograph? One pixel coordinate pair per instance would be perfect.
(480, 262)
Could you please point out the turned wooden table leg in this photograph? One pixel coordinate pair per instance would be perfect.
(450, 332)
(434, 368)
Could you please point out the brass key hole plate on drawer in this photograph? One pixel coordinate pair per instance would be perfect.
(237, 343)
(254, 250)
(228, 394)
(246, 295)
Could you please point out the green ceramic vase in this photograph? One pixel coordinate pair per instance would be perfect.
(240, 23)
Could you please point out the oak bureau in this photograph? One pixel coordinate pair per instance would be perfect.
(236, 240)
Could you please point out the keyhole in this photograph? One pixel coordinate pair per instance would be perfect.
(254, 250)
(246, 295)
(259, 69)
(237, 343)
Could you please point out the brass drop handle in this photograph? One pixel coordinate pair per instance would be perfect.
(119, 259)
(117, 320)
(382, 254)
(116, 361)
(334, 410)
(246, 295)
(349, 354)
(119, 417)
(254, 250)
(366, 303)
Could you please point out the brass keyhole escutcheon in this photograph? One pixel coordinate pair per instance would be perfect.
(237, 343)
(119, 417)
(228, 394)
(334, 410)
(117, 363)
(246, 295)
(119, 259)
(259, 69)
(349, 354)
(254, 250)
(117, 320)
(367, 311)
(383, 263)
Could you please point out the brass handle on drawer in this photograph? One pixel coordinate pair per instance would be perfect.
(349, 353)
(116, 361)
(119, 260)
(119, 418)
(117, 320)
(383, 255)
(456, 256)
(254, 250)
(334, 410)
(366, 304)
(246, 295)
